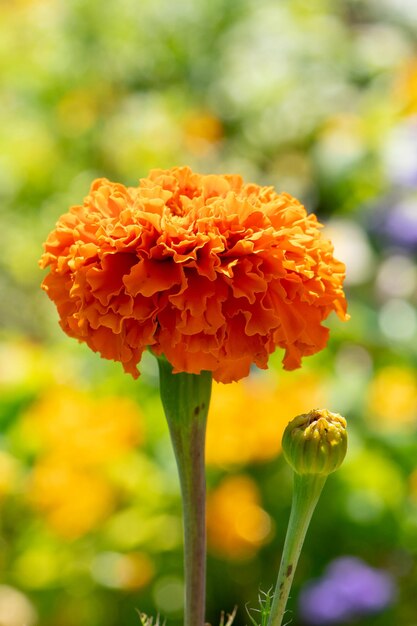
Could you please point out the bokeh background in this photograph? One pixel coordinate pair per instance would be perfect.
(318, 98)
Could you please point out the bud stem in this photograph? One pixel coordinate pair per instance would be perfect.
(306, 494)
(185, 398)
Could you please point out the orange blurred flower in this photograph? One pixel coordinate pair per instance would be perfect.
(237, 525)
(208, 271)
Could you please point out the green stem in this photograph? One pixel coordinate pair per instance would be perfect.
(306, 494)
(186, 398)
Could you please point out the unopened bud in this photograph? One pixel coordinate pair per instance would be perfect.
(315, 442)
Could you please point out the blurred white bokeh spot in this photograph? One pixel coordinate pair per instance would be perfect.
(15, 608)
(398, 320)
(351, 246)
(397, 277)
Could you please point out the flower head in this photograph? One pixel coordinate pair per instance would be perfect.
(209, 271)
(315, 442)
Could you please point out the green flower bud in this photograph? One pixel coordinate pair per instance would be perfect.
(315, 442)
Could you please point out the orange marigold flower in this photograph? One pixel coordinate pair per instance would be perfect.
(209, 271)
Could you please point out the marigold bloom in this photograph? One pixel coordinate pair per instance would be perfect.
(209, 271)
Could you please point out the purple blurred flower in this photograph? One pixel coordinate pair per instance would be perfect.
(396, 221)
(349, 588)
(401, 222)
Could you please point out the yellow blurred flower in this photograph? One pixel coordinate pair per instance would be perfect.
(392, 399)
(405, 87)
(73, 501)
(237, 525)
(247, 419)
(81, 430)
(77, 436)
(202, 130)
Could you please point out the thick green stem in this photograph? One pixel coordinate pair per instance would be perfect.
(186, 398)
(307, 490)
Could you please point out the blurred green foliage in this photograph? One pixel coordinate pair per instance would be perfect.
(316, 98)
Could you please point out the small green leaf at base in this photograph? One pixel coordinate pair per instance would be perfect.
(265, 601)
(146, 620)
